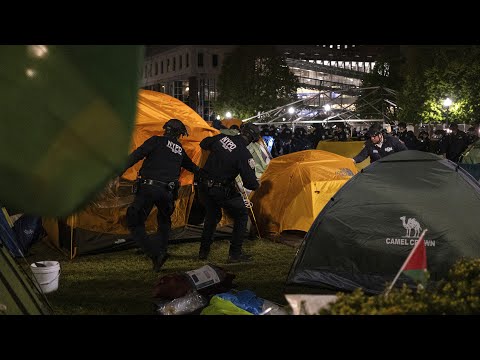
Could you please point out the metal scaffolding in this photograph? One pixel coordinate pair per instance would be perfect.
(352, 106)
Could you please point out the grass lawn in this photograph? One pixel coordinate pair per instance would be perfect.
(122, 282)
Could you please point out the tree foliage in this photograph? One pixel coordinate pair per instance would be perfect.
(254, 79)
(424, 76)
(435, 73)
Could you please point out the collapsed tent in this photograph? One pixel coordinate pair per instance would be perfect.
(295, 187)
(366, 231)
(101, 225)
(348, 149)
(18, 295)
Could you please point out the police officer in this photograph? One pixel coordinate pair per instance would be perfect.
(407, 137)
(379, 145)
(300, 140)
(228, 158)
(424, 143)
(456, 143)
(157, 185)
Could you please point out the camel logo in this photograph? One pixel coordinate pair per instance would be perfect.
(412, 233)
(411, 224)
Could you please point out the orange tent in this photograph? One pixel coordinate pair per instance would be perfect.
(295, 187)
(101, 224)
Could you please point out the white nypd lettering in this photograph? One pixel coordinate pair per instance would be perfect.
(374, 151)
(176, 149)
(227, 144)
(388, 149)
(251, 162)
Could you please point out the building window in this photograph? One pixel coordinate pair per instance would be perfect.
(161, 67)
(214, 60)
(168, 65)
(200, 59)
(180, 62)
(156, 68)
(145, 72)
(187, 60)
(174, 63)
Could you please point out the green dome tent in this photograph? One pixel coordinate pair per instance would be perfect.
(364, 234)
(470, 160)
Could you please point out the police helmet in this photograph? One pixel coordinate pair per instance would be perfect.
(250, 131)
(374, 130)
(423, 135)
(175, 128)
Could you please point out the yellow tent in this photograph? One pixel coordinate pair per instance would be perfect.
(345, 148)
(101, 224)
(295, 187)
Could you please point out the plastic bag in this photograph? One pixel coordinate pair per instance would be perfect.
(183, 305)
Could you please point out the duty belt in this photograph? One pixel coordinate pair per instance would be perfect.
(212, 183)
(170, 185)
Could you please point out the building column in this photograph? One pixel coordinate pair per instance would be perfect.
(193, 92)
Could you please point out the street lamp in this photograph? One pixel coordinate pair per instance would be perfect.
(228, 115)
(446, 104)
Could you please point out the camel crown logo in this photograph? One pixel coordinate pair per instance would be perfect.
(412, 233)
(409, 225)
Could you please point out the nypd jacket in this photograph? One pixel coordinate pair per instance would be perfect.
(228, 158)
(390, 145)
(164, 156)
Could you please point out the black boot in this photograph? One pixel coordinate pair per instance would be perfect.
(239, 258)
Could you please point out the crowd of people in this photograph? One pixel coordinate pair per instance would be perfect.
(157, 183)
(451, 144)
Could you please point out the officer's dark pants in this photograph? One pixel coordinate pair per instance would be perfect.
(214, 199)
(137, 214)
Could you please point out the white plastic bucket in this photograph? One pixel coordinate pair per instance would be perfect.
(47, 277)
